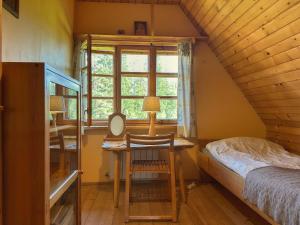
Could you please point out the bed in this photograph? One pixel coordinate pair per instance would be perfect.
(237, 162)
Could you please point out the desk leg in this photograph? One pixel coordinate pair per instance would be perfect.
(116, 178)
(181, 177)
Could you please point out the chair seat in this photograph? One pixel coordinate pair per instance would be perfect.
(153, 166)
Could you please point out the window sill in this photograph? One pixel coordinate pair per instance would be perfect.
(132, 127)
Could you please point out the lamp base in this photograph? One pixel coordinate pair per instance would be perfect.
(152, 130)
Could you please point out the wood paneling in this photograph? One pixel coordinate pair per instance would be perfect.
(258, 43)
(169, 2)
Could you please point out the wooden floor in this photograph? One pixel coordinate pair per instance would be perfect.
(208, 204)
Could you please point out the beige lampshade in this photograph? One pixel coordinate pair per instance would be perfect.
(151, 104)
(57, 104)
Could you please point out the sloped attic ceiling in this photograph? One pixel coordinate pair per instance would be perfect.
(258, 43)
(137, 1)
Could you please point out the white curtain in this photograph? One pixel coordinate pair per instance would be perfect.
(186, 99)
(77, 59)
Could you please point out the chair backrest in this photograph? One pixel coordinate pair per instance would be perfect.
(57, 141)
(161, 141)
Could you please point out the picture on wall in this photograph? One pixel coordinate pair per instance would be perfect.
(12, 6)
(140, 28)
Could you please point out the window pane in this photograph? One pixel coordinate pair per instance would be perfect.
(167, 63)
(102, 86)
(102, 108)
(84, 108)
(168, 109)
(72, 108)
(134, 86)
(52, 88)
(132, 108)
(134, 62)
(166, 86)
(84, 81)
(83, 58)
(71, 92)
(102, 64)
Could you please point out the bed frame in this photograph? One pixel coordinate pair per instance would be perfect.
(228, 178)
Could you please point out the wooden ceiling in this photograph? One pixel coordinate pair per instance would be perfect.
(169, 2)
(258, 42)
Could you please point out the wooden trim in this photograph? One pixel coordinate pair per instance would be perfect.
(89, 79)
(152, 77)
(103, 75)
(134, 74)
(144, 39)
(57, 193)
(159, 2)
(118, 79)
(61, 128)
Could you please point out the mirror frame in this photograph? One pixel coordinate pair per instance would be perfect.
(110, 135)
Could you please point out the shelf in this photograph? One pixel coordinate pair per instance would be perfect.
(64, 215)
(61, 189)
(70, 145)
(60, 128)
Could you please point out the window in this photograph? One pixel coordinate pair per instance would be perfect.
(120, 77)
(70, 100)
(134, 83)
(102, 92)
(166, 84)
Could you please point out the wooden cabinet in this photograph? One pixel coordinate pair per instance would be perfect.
(41, 147)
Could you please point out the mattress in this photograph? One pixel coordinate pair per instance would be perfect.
(244, 154)
(239, 162)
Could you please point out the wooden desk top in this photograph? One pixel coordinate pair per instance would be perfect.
(179, 143)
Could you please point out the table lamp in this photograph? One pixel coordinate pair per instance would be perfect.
(152, 105)
(57, 106)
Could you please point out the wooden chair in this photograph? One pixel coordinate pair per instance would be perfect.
(57, 143)
(163, 142)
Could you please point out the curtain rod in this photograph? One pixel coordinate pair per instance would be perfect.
(136, 38)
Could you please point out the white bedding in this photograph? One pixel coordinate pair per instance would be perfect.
(239, 162)
(243, 154)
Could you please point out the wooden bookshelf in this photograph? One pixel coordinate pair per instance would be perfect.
(42, 167)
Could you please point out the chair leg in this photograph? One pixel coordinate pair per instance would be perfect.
(173, 187)
(127, 187)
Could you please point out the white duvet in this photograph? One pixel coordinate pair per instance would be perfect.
(243, 154)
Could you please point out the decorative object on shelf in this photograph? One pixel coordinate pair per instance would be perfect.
(140, 28)
(57, 106)
(121, 32)
(152, 105)
(12, 6)
(116, 126)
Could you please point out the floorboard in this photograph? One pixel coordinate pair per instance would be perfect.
(208, 204)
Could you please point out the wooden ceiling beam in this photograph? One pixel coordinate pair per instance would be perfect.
(162, 2)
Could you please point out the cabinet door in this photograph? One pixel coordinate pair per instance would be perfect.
(64, 212)
(64, 133)
(64, 118)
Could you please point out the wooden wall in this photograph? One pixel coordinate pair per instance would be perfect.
(167, 2)
(258, 43)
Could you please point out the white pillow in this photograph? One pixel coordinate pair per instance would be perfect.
(250, 145)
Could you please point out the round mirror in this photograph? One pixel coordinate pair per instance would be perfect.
(117, 125)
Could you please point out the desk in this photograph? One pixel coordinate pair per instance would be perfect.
(117, 147)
